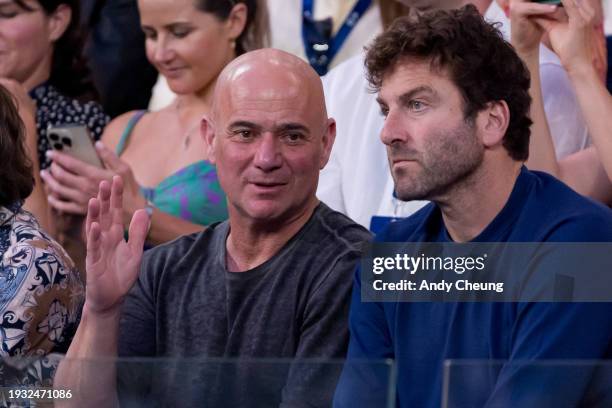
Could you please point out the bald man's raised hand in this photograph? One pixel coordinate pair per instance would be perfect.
(112, 264)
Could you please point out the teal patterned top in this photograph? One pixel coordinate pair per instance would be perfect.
(193, 193)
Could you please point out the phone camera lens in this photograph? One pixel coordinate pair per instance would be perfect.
(58, 146)
(54, 137)
(67, 141)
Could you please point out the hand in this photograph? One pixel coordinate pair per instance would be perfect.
(526, 32)
(112, 264)
(132, 198)
(571, 36)
(71, 182)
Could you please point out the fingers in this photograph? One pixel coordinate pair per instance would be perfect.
(66, 191)
(67, 207)
(110, 159)
(580, 12)
(76, 166)
(522, 8)
(116, 201)
(94, 244)
(139, 228)
(93, 214)
(104, 194)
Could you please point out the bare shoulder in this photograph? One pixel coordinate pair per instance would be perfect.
(114, 130)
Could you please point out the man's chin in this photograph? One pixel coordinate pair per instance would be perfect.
(410, 195)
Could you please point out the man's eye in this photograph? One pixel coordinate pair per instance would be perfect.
(294, 137)
(245, 134)
(384, 112)
(416, 106)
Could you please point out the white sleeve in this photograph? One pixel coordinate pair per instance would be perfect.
(567, 125)
(329, 189)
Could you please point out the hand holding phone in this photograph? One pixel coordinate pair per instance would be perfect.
(75, 141)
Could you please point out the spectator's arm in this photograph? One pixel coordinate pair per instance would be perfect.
(582, 170)
(112, 268)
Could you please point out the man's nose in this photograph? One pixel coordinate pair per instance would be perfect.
(268, 155)
(393, 130)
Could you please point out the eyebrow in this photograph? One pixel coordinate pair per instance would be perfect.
(4, 4)
(284, 127)
(179, 24)
(244, 124)
(407, 96)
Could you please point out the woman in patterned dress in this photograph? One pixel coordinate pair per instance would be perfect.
(40, 291)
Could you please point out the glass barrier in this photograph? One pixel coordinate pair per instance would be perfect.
(542, 383)
(194, 382)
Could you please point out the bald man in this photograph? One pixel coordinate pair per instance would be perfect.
(273, 281)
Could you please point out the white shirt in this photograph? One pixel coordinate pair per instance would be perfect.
(357, 180)
(285, 18)
(286, 25)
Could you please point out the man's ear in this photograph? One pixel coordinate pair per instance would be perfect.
(328, 141)
(236, 21)
(58, 22)
(208, 134)
(493, 123)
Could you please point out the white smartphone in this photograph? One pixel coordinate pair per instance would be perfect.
(74, 140)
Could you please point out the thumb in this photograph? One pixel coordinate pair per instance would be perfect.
(110, 159)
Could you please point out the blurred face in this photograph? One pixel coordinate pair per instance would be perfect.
(269, 145)
(187, 46)
(430, 146)
(25, 42)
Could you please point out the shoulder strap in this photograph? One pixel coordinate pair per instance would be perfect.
(128, 130)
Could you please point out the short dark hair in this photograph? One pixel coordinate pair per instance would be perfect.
(479, 61)
(256, 30)
(16, 178)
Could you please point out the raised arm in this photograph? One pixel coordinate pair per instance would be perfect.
(569, 36)
(112, 268)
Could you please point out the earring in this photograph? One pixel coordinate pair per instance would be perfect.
(233, 44)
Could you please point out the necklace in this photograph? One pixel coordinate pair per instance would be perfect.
(187, 135)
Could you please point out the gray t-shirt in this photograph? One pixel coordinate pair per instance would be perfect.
(295, 305)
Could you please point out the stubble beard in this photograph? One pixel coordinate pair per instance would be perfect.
(448, 161)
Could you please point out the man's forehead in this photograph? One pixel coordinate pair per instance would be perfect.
(413, 74)
(265, 106)
(259, 91)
